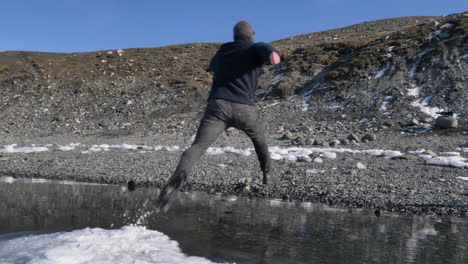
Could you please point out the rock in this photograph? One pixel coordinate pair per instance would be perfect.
(300, 140)
(353, 173)
(361, 166)
(245, 180)
(280, 129)
(413, 122)
(352, 137)
(428, 120)
(334, 143)
(446, 122)
(433, 24)
(364, 141)
(288, 136)
(324, 144)
(406, 157)
(304, 129)
(309, 141)
(344, 141)
(304, 159)
(131, 186)
(317, 142)
(429, 152)
(369, 137)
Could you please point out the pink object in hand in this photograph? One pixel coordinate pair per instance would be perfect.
(274, 58)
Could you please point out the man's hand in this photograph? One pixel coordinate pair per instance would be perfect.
(274, 58)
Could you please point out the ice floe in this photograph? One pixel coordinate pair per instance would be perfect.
(129, 244)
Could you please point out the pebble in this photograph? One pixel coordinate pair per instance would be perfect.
(361, 166)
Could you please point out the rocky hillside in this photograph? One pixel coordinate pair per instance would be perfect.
(377, 73)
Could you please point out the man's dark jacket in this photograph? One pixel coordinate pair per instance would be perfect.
(236, 67)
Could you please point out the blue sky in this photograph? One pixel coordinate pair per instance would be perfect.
(90, 25)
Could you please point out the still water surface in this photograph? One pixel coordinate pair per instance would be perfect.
(229, 230)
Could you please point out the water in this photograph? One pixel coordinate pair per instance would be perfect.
(40, 214)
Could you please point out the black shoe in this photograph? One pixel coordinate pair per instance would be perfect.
(270, 178)
(168, 192)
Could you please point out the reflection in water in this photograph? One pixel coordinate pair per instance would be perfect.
(242, 231)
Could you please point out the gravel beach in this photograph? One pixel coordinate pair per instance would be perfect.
(404, 183)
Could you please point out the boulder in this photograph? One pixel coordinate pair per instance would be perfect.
(369, 137)
(433, 24)
(334, 143)
(288, 136)
(344, 141)
(309, 141)
(352, 137)
(304, 129)
(413, 122)
(446, 122)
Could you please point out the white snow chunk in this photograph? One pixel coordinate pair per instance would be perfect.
(13, 149)
(465, 57)
(313, 171)
(65, 148)
(452, 161)
(425, 156)
(329, 155)
(448, 25)
(374, 152)
(172, 148)
(124, 146)
(383, 71)
(217, 151)
(7, 179)
(290, 157)
(276, 156)
(463, 178)
(390, 49)
(462, 149)
(361, 166)
(414, 91)
(392, 153)
(385, 103)
(129, 244)
(318, 160)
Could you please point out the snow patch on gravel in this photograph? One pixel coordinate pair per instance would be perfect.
(14, 149)
(422, 104)
(450, 161)
(383, 71)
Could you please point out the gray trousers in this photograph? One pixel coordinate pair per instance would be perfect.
(219, 115)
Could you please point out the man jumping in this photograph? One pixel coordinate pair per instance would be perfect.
(236, 67)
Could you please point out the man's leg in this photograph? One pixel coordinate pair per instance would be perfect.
(211, 126)
(247, 120)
